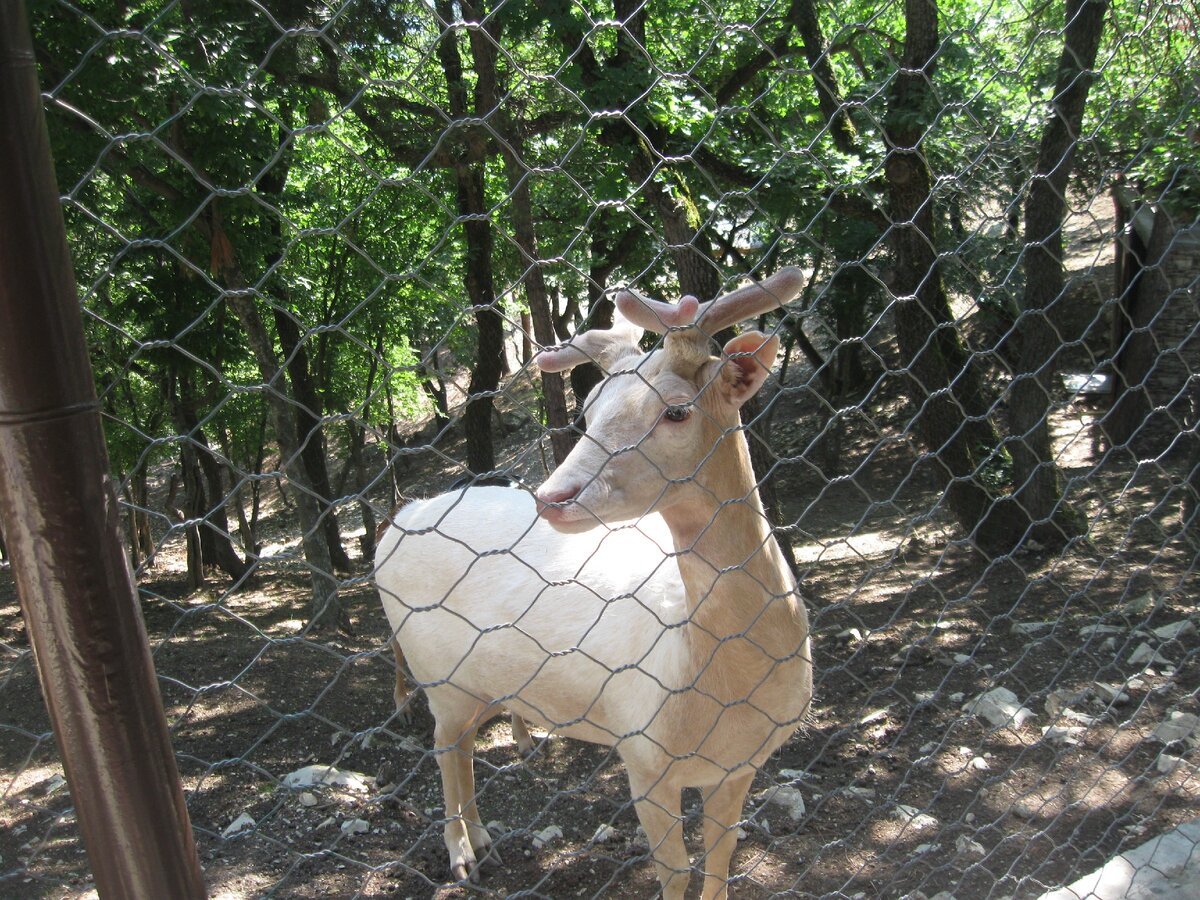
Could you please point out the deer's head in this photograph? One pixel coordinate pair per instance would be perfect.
(657, 427)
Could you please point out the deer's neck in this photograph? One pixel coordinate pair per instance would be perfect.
(732, 569)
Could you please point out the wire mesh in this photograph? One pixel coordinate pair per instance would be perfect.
(318, 246)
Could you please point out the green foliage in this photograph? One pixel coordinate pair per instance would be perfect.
(319, 143)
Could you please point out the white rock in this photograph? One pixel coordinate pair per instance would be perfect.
(927, 748)
(853, 635)
(1063, 734)
(1145, 655)
(496, 828)
(942, 895)
(877, 715)
(1028, 628)
(1027, 807)
(407, 743)
(329, 776)
(1110, 693)
(979, 764)
(1178, 726)
(1057, 701)
(308, 798)
(604, 834)
(1175, 630)
(356, 826)
(741, 834)
(1000, 707)
(961, 658)
(1166, 763)
(924, 848)
(1139, 605)
(789, 798)
(1097, 630)
(957, 697)
(55, 784)
(546, 835)
(969, 847)
(1082, 718)
(913, 817)
(238, 825)
(794, 775)
(860, 793)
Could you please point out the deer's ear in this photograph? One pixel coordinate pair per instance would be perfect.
(747, 363)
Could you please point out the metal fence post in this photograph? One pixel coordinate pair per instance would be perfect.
(62, 526)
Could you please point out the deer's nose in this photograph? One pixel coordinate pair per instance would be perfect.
(549, 502)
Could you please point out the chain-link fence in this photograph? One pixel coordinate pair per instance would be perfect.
(319, 246)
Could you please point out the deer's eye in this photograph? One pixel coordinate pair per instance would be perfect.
(677, 413)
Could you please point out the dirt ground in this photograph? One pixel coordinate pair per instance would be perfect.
(905, 792)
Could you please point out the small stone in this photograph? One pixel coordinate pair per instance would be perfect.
(356, 826)
(496, 828)
(927, 748)
(546, 835)
(741, 834)
(1057, 701)
(913, 817)
(1110, 693)
(860, 793)
(961, 658)
(1145, 655)
(924, 848)
(1166, 763)
(1063, 734)
(1178, 726)
(604, 834)
(1027, 807)
(1088, 631)
(1030, 628)
(1175, 630)
(787, 797)
(330, 776)
(957, 697)
(850, 635)
(969, 847)
(979, 764)
(308, 798)
(999, 707)
(238, 825)
(1139, 605)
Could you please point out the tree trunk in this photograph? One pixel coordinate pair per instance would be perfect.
(1036, 477)
(484, 40)
(310, 433)
(477, 277)
(205, 487)
(324, 605)
(363, 478)
(553, 391)
(951, 406)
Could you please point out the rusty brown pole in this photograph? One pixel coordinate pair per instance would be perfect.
(61, 522)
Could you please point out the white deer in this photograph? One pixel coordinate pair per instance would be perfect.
(640, 601)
